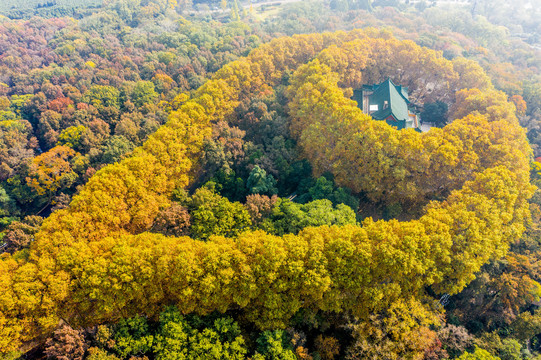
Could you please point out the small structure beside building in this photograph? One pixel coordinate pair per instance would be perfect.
(389, 102)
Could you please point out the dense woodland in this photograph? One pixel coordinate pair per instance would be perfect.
(191, 180)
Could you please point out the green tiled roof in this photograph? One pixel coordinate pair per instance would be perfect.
(397, 102)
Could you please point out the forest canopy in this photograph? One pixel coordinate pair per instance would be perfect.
(96, 260)
(194, 180)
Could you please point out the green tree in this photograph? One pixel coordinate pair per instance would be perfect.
(260, 183)
(435, 113)
(195, 338)
(229, 184)
(7, 208)
(510, 350)
(132, 337)
(144, 93)
(325, 188)
(101, 96)
(274, 345)
(115, 148)
(289, 217)
(212, 214)
(71, 136)
(478, 354)
(95, 353)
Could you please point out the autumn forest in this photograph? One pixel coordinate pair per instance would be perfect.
(194, 180)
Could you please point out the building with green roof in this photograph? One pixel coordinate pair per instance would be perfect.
(389, 102)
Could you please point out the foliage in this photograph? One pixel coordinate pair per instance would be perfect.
(259, 182)
(456, 339)
(115, 148)
(99, 261)
(479, 354)
(288, 217)
(102, 97)
(66, 344)
(181, 338)
(19, 9)
(172, 221)
(401, 332)
(131, 337)
(144, 93)
(501, 291)
(327, 347)
(52, 171)
(19, 235)
(71, 136)
(173, 337)
(435, 113)
(95, 353)
(260, 206)
(212, 214)
(324, 188)
(274, 345)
